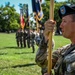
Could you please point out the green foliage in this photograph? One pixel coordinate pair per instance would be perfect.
(46, 10)
(14, 25)
(8, 15)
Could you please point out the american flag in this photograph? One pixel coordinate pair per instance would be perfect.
(22, 19)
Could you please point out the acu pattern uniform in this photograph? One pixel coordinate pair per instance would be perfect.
(19, 37)
(68, 63)
(24, 38)
(63, 59)
(28, 38)
(32, 40)
(41, 55)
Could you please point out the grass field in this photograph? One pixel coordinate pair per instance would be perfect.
(17, 61)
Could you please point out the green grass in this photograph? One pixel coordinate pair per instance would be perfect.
(17, 61)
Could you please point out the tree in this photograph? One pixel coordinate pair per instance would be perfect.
(7, 17)
(71, 1)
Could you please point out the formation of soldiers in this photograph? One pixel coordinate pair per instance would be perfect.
(28, 38)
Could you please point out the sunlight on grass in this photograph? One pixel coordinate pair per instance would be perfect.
(20, 61)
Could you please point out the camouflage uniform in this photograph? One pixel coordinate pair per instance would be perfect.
(41, 55)
(32, 39)
(19, 35)
(28, 38)
(67, 66)
(24, 38)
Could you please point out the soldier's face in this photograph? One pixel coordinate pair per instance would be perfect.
(68, 27)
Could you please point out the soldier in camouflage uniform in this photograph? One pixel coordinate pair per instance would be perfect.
(28, 38)
(63, 59)
(24, 37)
(19, 36)
(32, 40)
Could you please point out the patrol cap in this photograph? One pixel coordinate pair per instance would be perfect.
(66, 10)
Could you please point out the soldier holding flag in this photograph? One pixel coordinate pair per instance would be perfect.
(38, 15)
(63, 59)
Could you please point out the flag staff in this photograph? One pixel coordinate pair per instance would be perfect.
(37, 25)
(50, 38)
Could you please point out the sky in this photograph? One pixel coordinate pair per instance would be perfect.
(16, 3)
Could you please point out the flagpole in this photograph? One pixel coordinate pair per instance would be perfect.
(37, 23)
(50, 38)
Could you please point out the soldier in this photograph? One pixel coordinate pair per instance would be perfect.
(63, 59)
(32, 39)
(24, 37)
(28, 38)
(41, 33)
(37, 38)
(19, 37)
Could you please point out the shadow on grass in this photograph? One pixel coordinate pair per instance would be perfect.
(3, 53)
(23, 53)
(23, 65)
(14, 48)
(9, 48)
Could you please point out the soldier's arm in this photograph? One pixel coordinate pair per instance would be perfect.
(41, 56)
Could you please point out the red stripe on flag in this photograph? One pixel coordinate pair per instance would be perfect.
(22, 22)
(22, 19)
